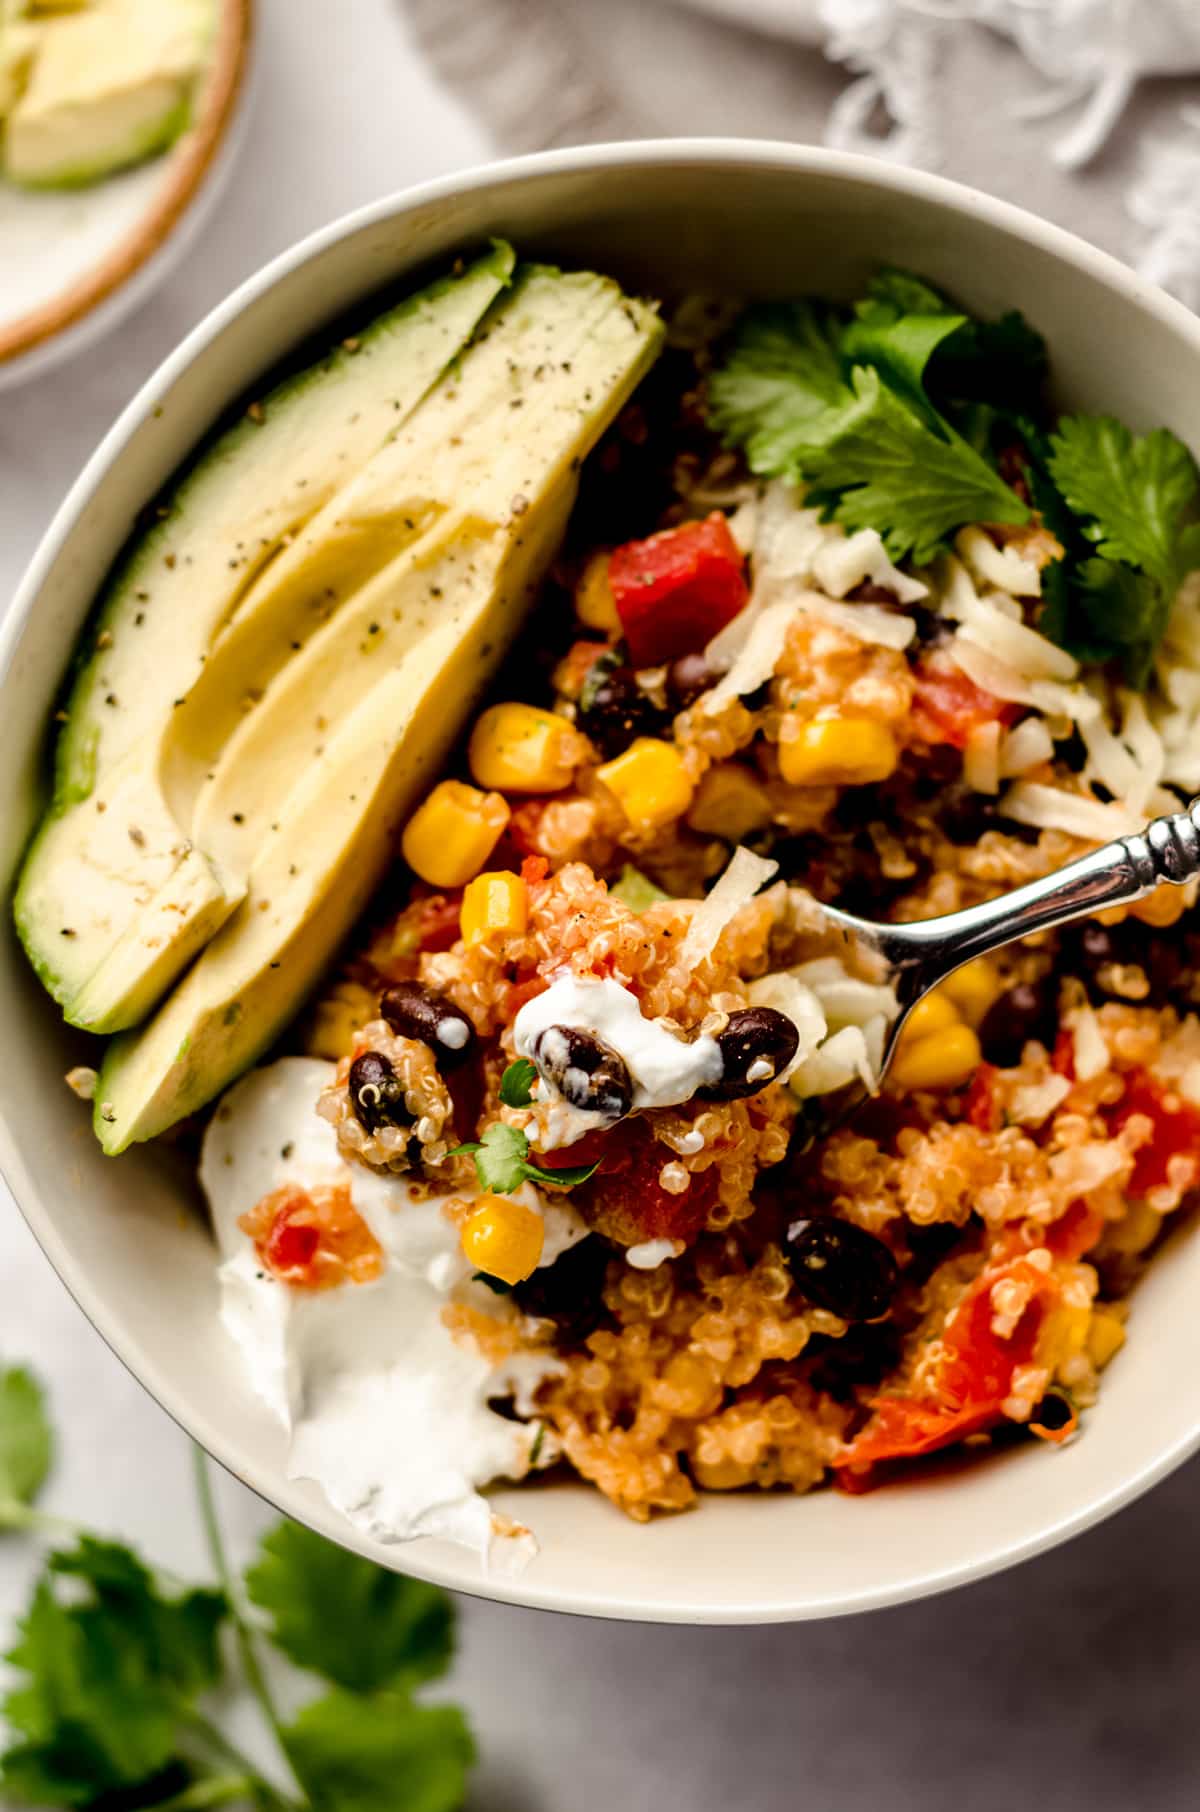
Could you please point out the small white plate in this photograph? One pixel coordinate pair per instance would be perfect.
(74, 261)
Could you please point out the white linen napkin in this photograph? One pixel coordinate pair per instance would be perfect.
(1017, 96)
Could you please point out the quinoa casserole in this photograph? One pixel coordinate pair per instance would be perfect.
(540, 1166)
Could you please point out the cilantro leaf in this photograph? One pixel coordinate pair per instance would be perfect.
(501, 1162)
(109, 1677)
(569, 1177)
(1135, 493)
(900, 347)
(26, 1445)
(378, 1752)
(872, 445)
(1101, 611)
(499, 1157)
(879, 467)
(342, 1616)
(783, 373)
(516, 1083)
(1003, 362)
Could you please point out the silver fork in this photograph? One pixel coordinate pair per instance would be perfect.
(917, 956)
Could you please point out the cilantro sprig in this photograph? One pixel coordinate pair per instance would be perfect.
(897, 414)
(1133, 538)
(869, 408)
(115, 1667)
(502, 1162)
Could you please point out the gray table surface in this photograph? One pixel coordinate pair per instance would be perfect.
(1070, 1683)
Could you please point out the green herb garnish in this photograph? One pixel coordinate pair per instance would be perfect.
(636, 890)
(502, 1162)
(114, 1667)
(848, 405)
(517, 1083)
(1134, 502)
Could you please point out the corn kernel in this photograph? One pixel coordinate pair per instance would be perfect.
(974, 988)
(522, 749)
(729, 803)
(450, 837)
(337, 1019)
(1064, 1334)
(933, 1013)
(939, 1060)
(503, 1238)
(1106, 1337)
(494, 905)
(595, 605)
(838, 751)
(650, 782)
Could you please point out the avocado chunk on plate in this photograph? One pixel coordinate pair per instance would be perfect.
(110, 86)
(178, 584)
(318, 860)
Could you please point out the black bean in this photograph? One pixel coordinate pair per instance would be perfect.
(864, 1355)
(755, 1046)
(963, 816)
(570, 1291)
(1055, 1411)
(687, 677)
(615, 711)
(416, 1012)
(1072, 751)
(840, 1268)
(376, 1095)
(586, 1072)
(1030, 1010)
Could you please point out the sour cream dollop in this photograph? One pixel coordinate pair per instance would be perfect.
(663, 1068)
(385, 1408)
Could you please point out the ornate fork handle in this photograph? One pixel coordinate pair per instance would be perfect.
(925, 952)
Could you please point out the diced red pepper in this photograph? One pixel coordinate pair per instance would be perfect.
(291, 1246)
(947, 706)
(534, 870)
(973, 1380)
(674, 591)
(1062, 1059)
(438, 921)
(1176, 1132)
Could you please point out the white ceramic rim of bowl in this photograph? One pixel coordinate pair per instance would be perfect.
(746, 153)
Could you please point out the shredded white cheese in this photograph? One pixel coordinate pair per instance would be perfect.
(743, 878)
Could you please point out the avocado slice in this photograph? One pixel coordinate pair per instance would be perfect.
(198, 800)
(112, 86)
(19, 40)
(320, 858)
(177, 584)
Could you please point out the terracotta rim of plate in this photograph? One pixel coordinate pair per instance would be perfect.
(187, 168)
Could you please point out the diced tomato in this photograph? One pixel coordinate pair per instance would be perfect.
(1062, 1059)
(973, 1379)
(1176, 1132)
(1069, 1237)
(947, 705)
(588, 1150)
(437, 921)
(674, 591)
(981, 1104)
(291, 1247)
(534, 869)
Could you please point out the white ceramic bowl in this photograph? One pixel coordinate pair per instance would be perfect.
(127, 1236)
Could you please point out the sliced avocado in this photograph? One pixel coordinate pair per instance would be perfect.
(335, 831)
(210, 785)
(112, 86)
(19, 40)
(177, 584)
